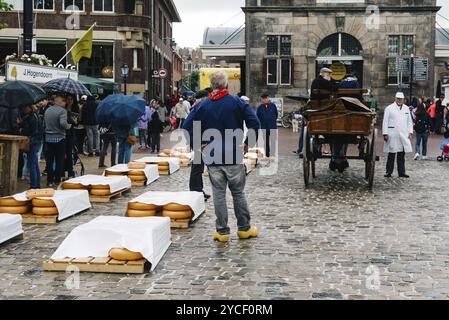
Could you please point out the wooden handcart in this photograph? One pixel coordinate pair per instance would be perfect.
(339, 120)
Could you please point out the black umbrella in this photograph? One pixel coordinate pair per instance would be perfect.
(16, 94)
(67, 85)
(299, 97)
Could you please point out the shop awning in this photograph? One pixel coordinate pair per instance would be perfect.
(94, 84)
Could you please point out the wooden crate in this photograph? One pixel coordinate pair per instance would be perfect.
(180, 224)
(108, 198)
(97, 265)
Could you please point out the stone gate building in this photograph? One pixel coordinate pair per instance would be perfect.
(288, 41)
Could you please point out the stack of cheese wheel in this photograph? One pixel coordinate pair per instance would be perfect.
(141, 210)
(164, 167)
(136, 173)
(12, 206)
(164, 155)
(124, 255)
(44, 207)
(177, 211)
(73, 186)
(184, 162)
(100, 190)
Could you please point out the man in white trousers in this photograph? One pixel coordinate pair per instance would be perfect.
(397, 131)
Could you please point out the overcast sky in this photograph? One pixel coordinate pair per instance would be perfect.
(197, 15)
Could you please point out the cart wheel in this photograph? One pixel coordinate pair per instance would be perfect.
(367, 162)
(313, 157)
(372, 161)
(306, 157)
(440, 159)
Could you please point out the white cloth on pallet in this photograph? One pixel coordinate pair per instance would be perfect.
(151, 171)
(10, 226)
(68, 202)
(194, 200)
(174, 163)
(150, 236)
(115, 183)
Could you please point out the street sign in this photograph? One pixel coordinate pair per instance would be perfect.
(155, 73)
(163, 73)
(402, 64)
(421, 69)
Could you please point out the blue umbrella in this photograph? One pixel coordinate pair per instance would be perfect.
(121, 109)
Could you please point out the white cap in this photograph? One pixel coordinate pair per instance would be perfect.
(400, 95)
(326, 70)
(181, 99)
(245, 98)
(84, 97)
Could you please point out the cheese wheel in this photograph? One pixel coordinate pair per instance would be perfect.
(100, 187)
(142, 206)
(163, 155)
(141, 213)
(164, 168)
(43, 203)
(100, 192)
(137, 178)
(73, 186)
(167, 151)
(45, 211)
(11, 202)
(177, 215)
(136, 173)
(176, 207)
(136, 165)
(163, 164)
(15, 210)
(125, 255)
(114, 173)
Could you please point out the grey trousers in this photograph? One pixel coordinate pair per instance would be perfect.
(93, 139)
(235, 177)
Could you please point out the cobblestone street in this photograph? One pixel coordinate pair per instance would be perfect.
(332, 241)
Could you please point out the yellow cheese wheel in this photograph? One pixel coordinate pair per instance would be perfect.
(43, 203)
(11, 202)
(15, 210)
(177, 215)
(141, 213)
(137, 178)
(73, 186)
(114, 173)
(163, 155)
(142, 206)
(164, 168)
(176, 207)
(125, 255)
(45, 211)
(136, 165)
(167, 151)
(163, 164)
(100, 192)
(100, 187)
(136, 173)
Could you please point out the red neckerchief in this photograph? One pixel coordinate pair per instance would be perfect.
(218, 94)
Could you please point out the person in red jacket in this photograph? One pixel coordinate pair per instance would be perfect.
(433, 115)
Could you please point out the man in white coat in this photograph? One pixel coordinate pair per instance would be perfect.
(397, 132)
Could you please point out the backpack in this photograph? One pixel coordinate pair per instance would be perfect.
(421, 125)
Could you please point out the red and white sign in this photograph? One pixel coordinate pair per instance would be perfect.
(163, 73)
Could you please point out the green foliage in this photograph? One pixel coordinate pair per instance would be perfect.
(194, 80)
(4, 7)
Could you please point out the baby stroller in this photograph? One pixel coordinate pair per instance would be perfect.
(444, 147)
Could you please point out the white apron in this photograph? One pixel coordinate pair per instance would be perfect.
(398, 125)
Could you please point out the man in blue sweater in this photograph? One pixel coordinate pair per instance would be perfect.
(216, 127)
(268, 116)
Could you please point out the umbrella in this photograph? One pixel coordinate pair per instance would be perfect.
(16, 94)
(121, 109)
(67, 85)
(299, 97)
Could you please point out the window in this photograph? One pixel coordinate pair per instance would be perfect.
(102, 60)
(338, 45)
(73, 5)
(279, 62)
(399, 46)
(52, 49)
(136, 59)
(103, 5)
(7, 47)
(44, 5)
(17, 4)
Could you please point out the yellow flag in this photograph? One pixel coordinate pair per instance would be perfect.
(83, 47)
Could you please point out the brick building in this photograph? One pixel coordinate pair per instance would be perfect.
(288, 41)
(125, 32)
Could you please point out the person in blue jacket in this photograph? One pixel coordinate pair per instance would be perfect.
(267, 113)
(216, 127)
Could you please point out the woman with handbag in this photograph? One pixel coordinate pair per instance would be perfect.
(33, 128)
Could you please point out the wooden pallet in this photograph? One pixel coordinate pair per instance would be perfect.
(30, 218)
(138, 184)
(180, 224)
(106, 199)
(97, 265)
(164, 173)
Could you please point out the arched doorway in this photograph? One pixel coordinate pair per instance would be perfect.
(342, 53)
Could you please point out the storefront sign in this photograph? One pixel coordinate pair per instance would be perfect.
(36, 74)
(421, 70)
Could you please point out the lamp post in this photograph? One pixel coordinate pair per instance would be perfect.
(125, 72)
